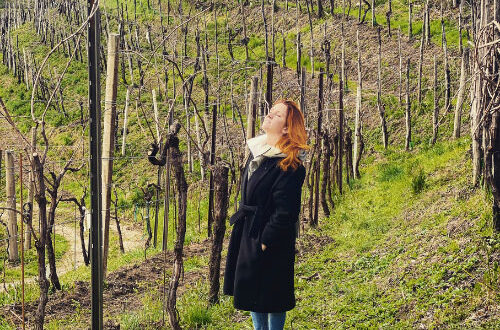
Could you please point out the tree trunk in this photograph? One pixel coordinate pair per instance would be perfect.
(460, 97)
(320, 8)
(252, 111)
(381, 109)
(221, 204)
(117, 219)
(410, 20)
(245, 38)
(435, 113)
(358, 122)
(488, 99)
(348, 155)
(303, 95)
(283, 54)
(198, 140)
(11, 204)
(408, 108)
(374, 20)
(400, 68)
(85, 255)
(166, 206)
(181, 228)
(446, 67)
(460, 45)
(54, 279)
(388, 18)
(360, 5)
(420, 62)
(326, 173)
(125, 121)
(334, 170)
(342, 62)
(299, 55)
(43, 283)
(269, 85)
(265, 28)
(310, 175)
(211, 179)
(273, 43)
(427, 25)
(108, 143)
(475, 127)
(318, 142)
(316, 174)
(186, 97)
(27, 234)
(311, 48)
(341, 135)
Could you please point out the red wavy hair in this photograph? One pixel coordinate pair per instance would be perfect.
(295, 138)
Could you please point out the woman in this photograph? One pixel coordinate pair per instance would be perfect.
(261, 254)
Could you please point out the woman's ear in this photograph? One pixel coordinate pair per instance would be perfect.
(285, 130)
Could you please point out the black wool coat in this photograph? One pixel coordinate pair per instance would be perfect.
(263, 281)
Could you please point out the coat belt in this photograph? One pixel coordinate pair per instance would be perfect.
(249, 212)
(242, 212)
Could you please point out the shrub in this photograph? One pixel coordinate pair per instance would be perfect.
(198, 315)
(389, 172)
(418, 182)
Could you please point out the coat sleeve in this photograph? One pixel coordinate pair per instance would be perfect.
(286, 197)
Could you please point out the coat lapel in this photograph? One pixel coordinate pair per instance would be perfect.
(259, 174)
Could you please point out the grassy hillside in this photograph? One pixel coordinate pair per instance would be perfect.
(408, 245)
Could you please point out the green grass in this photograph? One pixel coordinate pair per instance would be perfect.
(193, 309)
(13, 271)
(397, 256)
(377, 232)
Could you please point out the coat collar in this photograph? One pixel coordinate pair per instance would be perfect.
(258, 147)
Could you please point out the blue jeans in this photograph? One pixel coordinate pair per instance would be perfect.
(268, 321)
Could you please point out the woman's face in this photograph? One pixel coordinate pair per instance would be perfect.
(275, 121)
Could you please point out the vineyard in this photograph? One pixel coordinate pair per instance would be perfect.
(123, 129)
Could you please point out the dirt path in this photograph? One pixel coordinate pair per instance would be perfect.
(132, 239)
